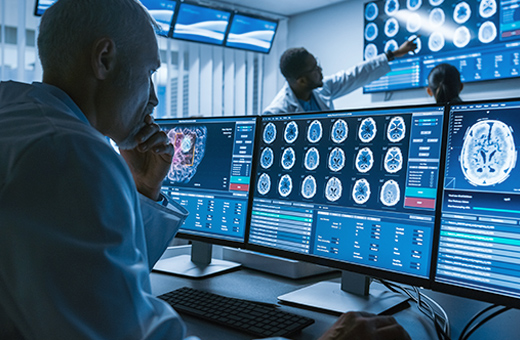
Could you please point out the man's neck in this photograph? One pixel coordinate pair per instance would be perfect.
(302, 94)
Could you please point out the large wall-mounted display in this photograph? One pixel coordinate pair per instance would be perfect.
(479, 37)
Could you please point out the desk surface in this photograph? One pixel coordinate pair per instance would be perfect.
(255, 285)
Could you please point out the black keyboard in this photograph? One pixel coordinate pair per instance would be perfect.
(251, 317)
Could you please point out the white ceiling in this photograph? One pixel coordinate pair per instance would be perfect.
(285, 8)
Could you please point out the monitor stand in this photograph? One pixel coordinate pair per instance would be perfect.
(198, 265)
(352, 294)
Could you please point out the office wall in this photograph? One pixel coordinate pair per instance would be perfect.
(335, 35)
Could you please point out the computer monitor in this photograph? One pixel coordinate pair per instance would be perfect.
(200, 23)
(479, 240)
(355, 190)
(210, 177)
(41, 6)
(251, 33)
(162, 11)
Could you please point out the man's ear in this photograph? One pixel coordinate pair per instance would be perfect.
(103, 58)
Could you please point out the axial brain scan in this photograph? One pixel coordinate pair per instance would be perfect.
(370, 51)
(391, 27)
(396, 130)
(371, 11)
(462, 37)
(333, 189)
(371, 31)
(436, 42)
(288, 158)
(414, 23)
(437, 17)
(367, 130)
(315, 132)
(291, 132)
(189, 145)
(264, 184)
(339, 131)
(391, 45)
(285, 186)
(312, 159)
(309, 187)
(461, 13)
(487, 8)
(488, 153)
(393, 160)
(361, 191)
(487, 32)
(269, 133)
(336, 159)
(413, 5)
(390, 193)
(267, 158)
(364, 160)
(391, 7)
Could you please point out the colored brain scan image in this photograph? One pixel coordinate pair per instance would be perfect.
(391, 27)
(189, 146)
(461, 37)
(312, 159)
(391, 7)
(264, 184)
(367, 130)
(333, 189)
(414, 23)
(371, 11)
(370, 51)
(391, 45)
(436, 42)
(488, 153)
(371, 31)
(461, 13)
(413, 5)
(390, 193)
(267, 158)
(436, 2)
(339, 131)
(393, 160)
(437, 17)
(396, 130)
(308, 187)
(487, 8)
(487, 32)
(285, 186)
(291, 132)
(418, 42)
(336, 159)
(288, 158)
(315, 132)
(361, 191)
(269, 133)
(364, 160)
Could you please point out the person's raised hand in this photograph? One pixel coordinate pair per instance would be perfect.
(365, 326)
(150, 161)
(407, 46)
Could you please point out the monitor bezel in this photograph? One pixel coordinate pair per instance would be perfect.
(36, 5)
(206, 238)
(468, 292)
(347, 266)
(253, 16)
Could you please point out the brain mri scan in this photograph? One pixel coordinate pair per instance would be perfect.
(393, 160)
(285, 186)
(461, 37)
(391, 7)
(396, 130)
(361, 191)
(337, 159)
(370, 51)
(264, 184)
(267, 158)
(333, 189)
(288, 158)
(269, 133)
(391, 45)
(308, 187)
(418, 42)
(339, 131)
(488, 153)
(413, 5)
(371, 11)
(189, 146)
(436, 42)
(390, 193)
(437, 17)
(436, 2)
(414, 23)
(371, 31)
(391, 27)
(315, 132)
(291, 132)
(487, 8)
(367, 130)
(364, 160)
(461, 13)
(312, 159)
(487, 32)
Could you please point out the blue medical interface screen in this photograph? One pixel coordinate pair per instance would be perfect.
(202, 24)
(479, 243)
(358, 187)
(480, 38)
(162, 11)
(42, 5)
(251, 33)
(210, 173)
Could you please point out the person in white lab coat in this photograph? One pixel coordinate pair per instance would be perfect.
(307, 90)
